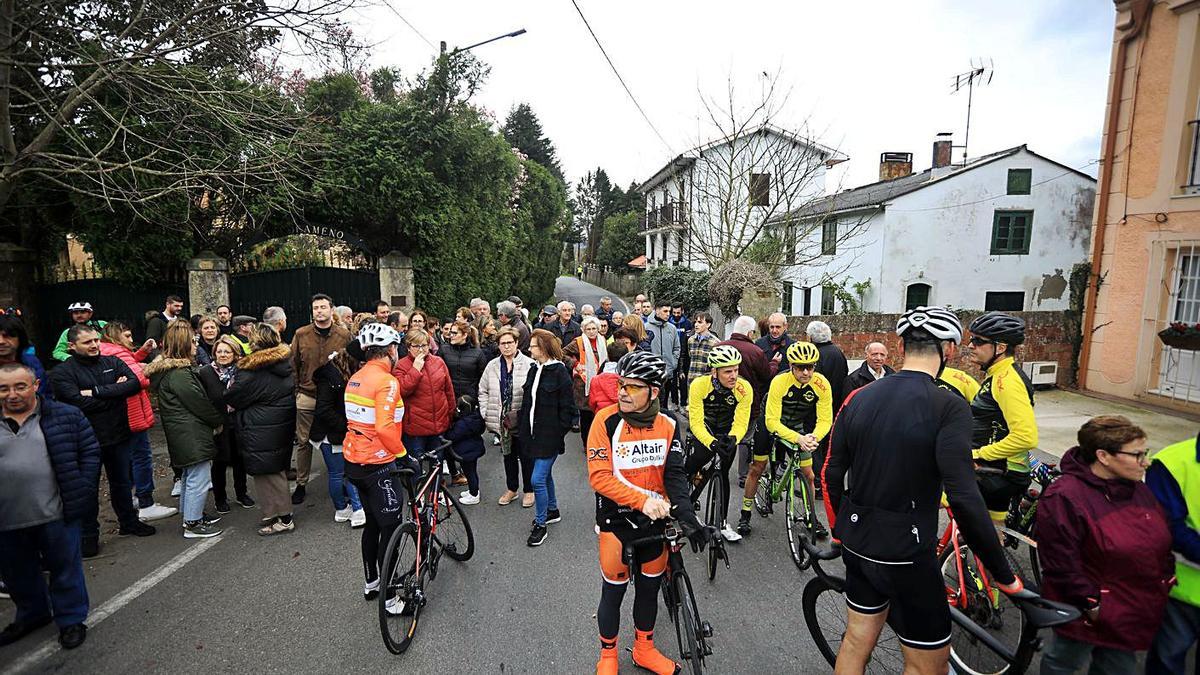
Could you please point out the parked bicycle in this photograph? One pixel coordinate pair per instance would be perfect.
(692, 632)
(435, 525)
(800, 515)
(710, 486)
(1022, 516)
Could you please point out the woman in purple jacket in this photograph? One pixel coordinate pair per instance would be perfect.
(1104, 547)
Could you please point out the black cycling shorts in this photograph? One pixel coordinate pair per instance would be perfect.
(383, 495)
(999, 490)
(914, 596)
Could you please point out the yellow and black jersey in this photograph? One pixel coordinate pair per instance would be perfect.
(794, 410)
(1004, 427)
(958, 382)
(714, 410)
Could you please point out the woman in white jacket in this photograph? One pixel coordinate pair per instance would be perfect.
(500, 394)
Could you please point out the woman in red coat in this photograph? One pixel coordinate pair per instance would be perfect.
(427, 391)
(1104, 547)
(117, 340)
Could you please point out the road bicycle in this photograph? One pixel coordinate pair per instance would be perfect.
(800, 515)
(692, 632)
(710, 486)
(434, 525)
(824, 608)
(1022, 515)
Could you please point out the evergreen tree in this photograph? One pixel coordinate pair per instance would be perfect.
(523, 130)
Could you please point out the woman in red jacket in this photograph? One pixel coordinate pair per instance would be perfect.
(117, 340)
(427, 391)
(1104, 547)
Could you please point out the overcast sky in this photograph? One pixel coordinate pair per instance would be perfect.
(865, 77)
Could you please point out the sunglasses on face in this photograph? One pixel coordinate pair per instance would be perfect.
(631, 388)
(979, 342)
(802, 367)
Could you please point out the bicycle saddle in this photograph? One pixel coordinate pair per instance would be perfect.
(1043, 613)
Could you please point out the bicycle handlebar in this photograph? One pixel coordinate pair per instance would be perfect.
(834, 551)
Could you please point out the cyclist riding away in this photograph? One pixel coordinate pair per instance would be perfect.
(636, 466)
(799, 412)
(902, 440)
(719, 415)
(372, 449)
(1005, 429)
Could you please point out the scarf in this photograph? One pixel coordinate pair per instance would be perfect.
(644, 419)
(594, 355)
(537, 380)
(225, 373)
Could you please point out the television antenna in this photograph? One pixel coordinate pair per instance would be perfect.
(978, 76)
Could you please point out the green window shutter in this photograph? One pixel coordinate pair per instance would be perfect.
(1020, 181)
(1011, 232)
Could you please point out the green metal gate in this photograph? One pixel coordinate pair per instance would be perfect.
(353, 284)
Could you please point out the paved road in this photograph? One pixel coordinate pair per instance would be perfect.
(581, 293)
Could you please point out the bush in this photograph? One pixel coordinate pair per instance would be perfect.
(730, 282)
(678, 285)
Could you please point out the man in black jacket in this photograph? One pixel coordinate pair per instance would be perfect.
(834, 367)
(874, 367)
(98, 385)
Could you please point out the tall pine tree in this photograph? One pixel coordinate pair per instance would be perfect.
(523, 131)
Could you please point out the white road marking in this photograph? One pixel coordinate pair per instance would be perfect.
(115, 603)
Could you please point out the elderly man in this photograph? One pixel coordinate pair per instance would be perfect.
(481, 309)
(49, 461)
(311, 348)
(605, 312)
(873, 368)
(834, 367)
(775, 343)
(756, 370)
(586, 311)
(243, 325)
(565, 328)
(510, 315)
(275, 317)
(344, 314)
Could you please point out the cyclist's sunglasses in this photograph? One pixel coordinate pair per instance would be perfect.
(631, 388)
(979, 342)
(804, 366)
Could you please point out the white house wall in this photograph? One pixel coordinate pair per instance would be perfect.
(942, 234)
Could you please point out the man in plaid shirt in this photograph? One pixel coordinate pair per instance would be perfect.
(701, 342)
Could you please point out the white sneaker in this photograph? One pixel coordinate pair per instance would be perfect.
(394, 606)
(343, 515)
(465, 497)
(371, 590)
(358, 518)
(495, 440)
(729, 533)
(156, 512)
(176, 489)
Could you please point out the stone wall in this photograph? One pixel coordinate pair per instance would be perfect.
(625, 285)
(1048, 337)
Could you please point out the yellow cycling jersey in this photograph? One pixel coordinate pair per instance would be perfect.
(955, 380)
(1004, 429)
(795, 409)
(715, 411)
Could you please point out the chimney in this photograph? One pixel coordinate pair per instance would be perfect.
(895, 165)
(942, 149)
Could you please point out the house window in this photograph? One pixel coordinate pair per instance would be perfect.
(760, 189)
(789, 243)
(1010, 232)
(827, 299)
(651, 240)
(1004, 301)
(1192, 186)
(807, 301)
(1020, 181)
(829, 237)
(917, 295)
(1187, 293)
(787, 297)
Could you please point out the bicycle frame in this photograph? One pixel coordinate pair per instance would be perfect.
(958, 598)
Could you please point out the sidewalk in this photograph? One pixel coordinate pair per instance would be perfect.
(1060, 413)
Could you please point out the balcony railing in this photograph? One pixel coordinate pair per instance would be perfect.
(667, 215)
(1193, 176)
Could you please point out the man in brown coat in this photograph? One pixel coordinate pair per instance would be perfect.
(311, 348)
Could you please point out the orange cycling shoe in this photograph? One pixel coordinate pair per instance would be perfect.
(645, 655)
(608, 664)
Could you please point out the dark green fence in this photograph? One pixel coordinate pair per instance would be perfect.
(352, 282)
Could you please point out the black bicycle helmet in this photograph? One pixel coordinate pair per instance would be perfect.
(644, 366)
(999, 327)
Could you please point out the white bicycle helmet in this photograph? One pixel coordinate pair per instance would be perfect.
(377, 335)
(939, 322)
(80, 307)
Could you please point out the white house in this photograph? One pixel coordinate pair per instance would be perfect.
(999, 232)
(716, 198)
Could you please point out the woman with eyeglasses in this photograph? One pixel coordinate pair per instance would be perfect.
(1105, 547)
(501, 393)
(547, 410)
(427, 391)
(465, 361)
(586, 356)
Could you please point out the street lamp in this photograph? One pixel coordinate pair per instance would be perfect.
(515, 33)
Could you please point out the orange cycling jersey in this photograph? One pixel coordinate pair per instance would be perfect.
(374, 411)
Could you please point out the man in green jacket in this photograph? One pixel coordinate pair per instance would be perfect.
(81, 313)
(1174, 478)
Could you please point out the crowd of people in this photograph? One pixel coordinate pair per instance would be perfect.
(377, 390)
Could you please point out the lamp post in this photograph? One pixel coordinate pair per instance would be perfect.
(515, 33)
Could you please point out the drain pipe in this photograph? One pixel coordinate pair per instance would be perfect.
(1139, 16)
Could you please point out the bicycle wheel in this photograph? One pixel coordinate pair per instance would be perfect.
(688, 628)
(453, 531)
(798, 528)
(712, 516)
(401, 589)
(762, 496)
(825, 613)
(992, 611)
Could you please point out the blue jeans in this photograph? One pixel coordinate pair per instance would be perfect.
(543, 489)
(1066, 657)
(142, 459)
(417, 446)
(117, 467)
(193, 490)
(1178, 632)
(54, 545)
(340, 488)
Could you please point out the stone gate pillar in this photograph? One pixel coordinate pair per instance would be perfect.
(396, 283)
(208, 283)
